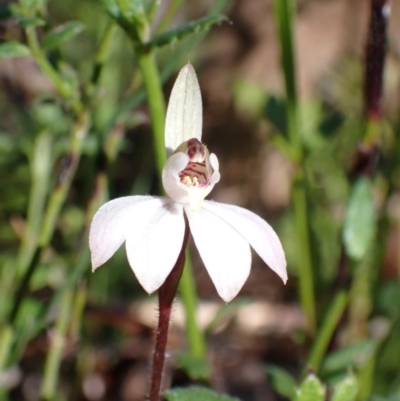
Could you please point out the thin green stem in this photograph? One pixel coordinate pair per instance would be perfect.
(156, 104)
(60, 192)
(306, 281)
(6, 340)
(64, 89)
(102, 52)
(41, 168)
(188, 293)
(24, 285)
(56, 201)
(284, 17)
(78, 308)
(327, 330)
(169, 15)
(54, 357)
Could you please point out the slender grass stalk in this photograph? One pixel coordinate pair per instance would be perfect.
(57, 199)
(169, 15)
(24, 285)
(155, 98)
(78, 134)
(195, 336)
(284, 20)
(59, 194)
(6, 340)
(327, 330)
(367, 374)
(40, 168)
(54, 356)
(64, 89)
(102, 52)
(78, 308)
(7, 277)
(306, 281)
(81, 259)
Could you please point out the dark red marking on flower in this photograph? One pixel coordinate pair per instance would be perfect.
(194, 170)
(195, 150)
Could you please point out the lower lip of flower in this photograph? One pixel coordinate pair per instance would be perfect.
(194, 175)
(198, 170)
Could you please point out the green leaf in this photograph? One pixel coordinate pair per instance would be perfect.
(354, 355)
(282, 382)
(360, 222)
(346, 390)
(129, 15)
(61, 34)
(30, 21)
(311, 389)
(13, 49)
(275, 111)
(34, 4)
(111, 7)
(183, 31)
(197, 368)
(196, 394)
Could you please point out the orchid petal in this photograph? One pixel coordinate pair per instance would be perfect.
(185, 112)
(256, 231)
(154, 241)
(109, 227)
(225, 253)
(170, 177)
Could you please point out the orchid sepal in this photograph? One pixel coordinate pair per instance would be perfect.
(184, 119)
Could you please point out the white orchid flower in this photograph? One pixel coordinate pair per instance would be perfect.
(153, 227)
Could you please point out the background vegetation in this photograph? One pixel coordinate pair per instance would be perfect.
(304, 119)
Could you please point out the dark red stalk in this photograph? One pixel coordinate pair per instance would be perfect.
(375, 58)
(166, 295)
(368, 152)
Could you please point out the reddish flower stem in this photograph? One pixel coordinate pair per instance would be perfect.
(368, 152)
(375, 58)
(166, 295)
